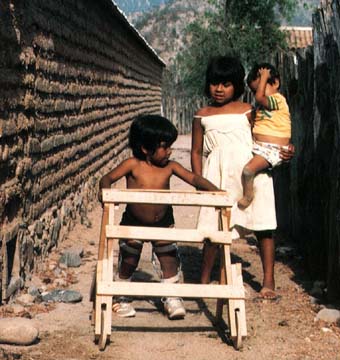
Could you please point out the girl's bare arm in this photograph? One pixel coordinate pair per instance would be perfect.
(196, 146)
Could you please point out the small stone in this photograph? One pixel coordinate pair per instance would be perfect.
(19, 331)
(52, 266)
(70, 259)
(15, 285)
(314, 300)
(25, 299)
(60, 283)
(33, 290)
(328, 315)
(77, 250)
(17, 309)
(66, 296)
(62, 266)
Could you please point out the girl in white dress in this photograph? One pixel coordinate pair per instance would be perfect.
(221, 135)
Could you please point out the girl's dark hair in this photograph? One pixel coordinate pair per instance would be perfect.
(254, 73)
(222, 69)
(149, 131)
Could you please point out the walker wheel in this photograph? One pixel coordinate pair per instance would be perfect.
(103, 336)
(237, 340)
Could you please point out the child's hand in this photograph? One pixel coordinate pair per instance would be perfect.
(287, 152)
(264, 73)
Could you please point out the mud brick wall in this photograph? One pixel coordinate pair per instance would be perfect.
(73, 74)
(311, 190)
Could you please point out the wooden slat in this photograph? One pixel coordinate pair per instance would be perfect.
(164, 289)
(240, 304)
(100, 267)
(185, 198)
(167, 234)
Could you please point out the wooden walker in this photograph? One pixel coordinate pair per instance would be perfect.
(230, 291)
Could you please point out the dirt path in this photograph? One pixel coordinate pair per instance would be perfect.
(282, 330)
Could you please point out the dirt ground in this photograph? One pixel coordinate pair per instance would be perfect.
(276, 330)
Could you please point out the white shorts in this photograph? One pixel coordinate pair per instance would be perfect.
(269, 151)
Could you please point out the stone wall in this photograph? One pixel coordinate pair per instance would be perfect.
(309, 195)
(73, 74)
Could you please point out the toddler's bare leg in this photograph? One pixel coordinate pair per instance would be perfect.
(129, 258)
(168, 259)
(252, 168)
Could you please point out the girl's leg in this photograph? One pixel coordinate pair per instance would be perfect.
(267, 253)
(209, 256)
(252, 168)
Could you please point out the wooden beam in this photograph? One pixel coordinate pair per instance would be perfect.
(163, 289)
(167, 234)
(185, 198)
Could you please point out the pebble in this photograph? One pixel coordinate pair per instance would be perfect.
(33, 290)
(66, 296)
(17, 309)
(77, 250)
(329, 315)
(25, 299)
(70, 259)
(19, 331)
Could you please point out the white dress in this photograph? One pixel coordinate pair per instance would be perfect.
(227, 146)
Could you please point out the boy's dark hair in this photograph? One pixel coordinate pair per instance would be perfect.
(222, 69)
(149, 131)
(254, 73)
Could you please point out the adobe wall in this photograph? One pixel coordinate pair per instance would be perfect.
(73, 74)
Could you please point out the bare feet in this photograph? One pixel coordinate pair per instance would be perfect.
(244, 202)
(268, 294)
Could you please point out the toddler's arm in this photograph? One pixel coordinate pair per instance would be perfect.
(195, 180)
(260, 95)
(114, 175)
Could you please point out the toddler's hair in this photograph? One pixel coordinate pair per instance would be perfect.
(254, 73)
(222, 69)
(149, 131)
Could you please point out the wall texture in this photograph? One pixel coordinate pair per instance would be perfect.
(73, 74)
(311, 190)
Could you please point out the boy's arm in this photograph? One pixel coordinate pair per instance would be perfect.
(195, 180)
(196, 146)
(260, 95)
(114, 175)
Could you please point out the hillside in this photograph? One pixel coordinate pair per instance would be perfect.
(132, 6)
(164, 24)
(164, 27)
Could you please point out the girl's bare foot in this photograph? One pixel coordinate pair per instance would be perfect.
(267, 294)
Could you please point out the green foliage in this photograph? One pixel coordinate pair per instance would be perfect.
(248, 29)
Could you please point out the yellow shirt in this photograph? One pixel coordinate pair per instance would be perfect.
(275, 120)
